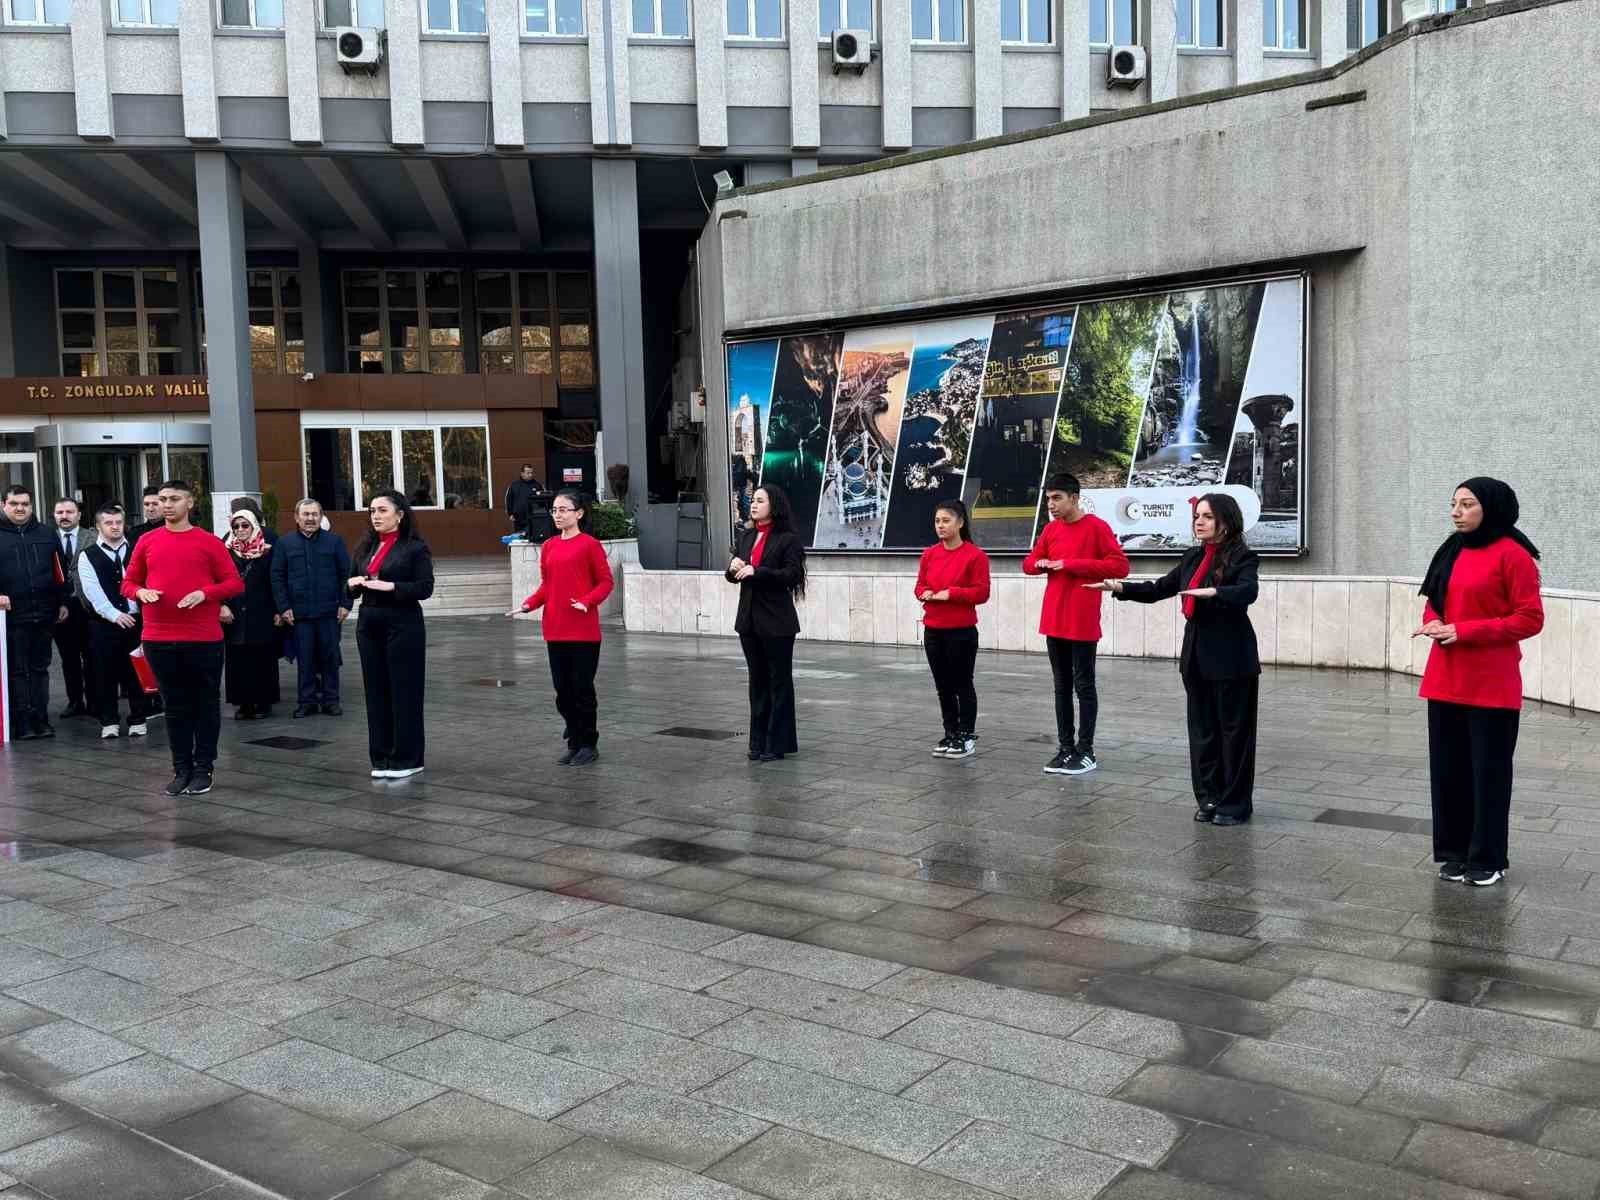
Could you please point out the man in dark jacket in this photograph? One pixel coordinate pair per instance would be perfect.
(33, 593)
(520, 494)
(309, 570)
(152, 515)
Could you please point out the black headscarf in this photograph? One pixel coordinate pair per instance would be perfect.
(1500, 513)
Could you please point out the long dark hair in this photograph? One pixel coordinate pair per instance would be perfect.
(957, 510)
(407, 529)
(1500, 512)
(782, 519)
(578, 501)
(1225, 509)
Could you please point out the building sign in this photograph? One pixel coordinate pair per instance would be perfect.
(1151, 400)
(571, 474)
(19, 395)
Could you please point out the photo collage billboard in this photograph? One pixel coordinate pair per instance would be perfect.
(1150, 400)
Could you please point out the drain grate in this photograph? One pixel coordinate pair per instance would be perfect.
(1363, 820)
(704, 735)
(492, 682)
(283, 742)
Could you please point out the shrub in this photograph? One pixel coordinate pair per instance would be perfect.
(611, 522)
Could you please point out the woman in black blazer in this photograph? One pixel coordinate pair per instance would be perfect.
(1220, 665)
(393, 575)
(769, 565)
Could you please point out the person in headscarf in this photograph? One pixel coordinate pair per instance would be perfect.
(1482, 598)
(250, 622)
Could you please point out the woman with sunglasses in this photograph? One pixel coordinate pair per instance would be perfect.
(574, 579)
(250, 623)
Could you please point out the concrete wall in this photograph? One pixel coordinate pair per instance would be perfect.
(1430, 193)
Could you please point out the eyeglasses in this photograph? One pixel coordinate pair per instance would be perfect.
(241, 524)
(563, 510)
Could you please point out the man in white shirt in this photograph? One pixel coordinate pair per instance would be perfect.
(72, 635)
(113, 625)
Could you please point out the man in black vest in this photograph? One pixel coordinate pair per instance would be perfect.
(113, 626)
(33, 592)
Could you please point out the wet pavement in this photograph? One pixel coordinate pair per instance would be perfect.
(861, 973)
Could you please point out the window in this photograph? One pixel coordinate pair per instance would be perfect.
(567, 15)
(574, 332)
(454, 16)
(38, 12)
(661, 18)
(277, 320)
(1026, 22)
(366, 13)
(403, 321)
(1200, 22)
(252, 14)
(1112, 23)
(1283, 25)
(755, 19)
(537, 323)
(117, 322)
(843, 14)
(147, 13)
(1365, 22)
(17, 460)
(938, 21)
(432, 466)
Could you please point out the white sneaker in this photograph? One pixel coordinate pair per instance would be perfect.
(404, 772)
(138, 730)
(962, 746)
(111, 731)
(379, 773)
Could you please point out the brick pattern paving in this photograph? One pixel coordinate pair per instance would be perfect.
(861, 973)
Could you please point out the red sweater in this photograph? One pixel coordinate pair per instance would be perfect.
(965, 571)
(1089, 552)
(571, 569)
(176, 564)
(1493, 602)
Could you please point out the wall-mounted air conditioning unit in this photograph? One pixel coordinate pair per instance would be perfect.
(359, 50)
(852, 50)
(1126, 66)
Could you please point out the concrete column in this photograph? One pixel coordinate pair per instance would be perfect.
(619, 318)
(805, 113)
(895, 34)
(711, 73)
(505, 72)
(988, 85)
(313, 314)
(1245, 23)
(597, 18)
(234, 471)
(91, 86)
(403, 57)
(300, 57)
(1161, 49)
(1074, 39)
(197, 67)
(8, 335)
(1332, 33)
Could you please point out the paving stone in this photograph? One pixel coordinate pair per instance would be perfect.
(546, 906)
(27, 1114)
(289, 916)
(651, 1005)
(70, 936)
(1137, 1184)
(17, 915)
(1252, 983)
(653, 964)
(810, 898)
(1028, 1168)
(24, 964)
(1161, 998)
(1534, 1074)
(929, 922)
(1511, 1168)
(1573, 1130)
(1502, 1029)
(545, 937)
(16, 1016)
(424, 1181)
(823, 1050)
(908, 891)
(362, 1029)
(856, 1116)
(1060, 946)
(466, 1134)
(277, 1148)
(843, 1008)
(1026, 1010)
(490, 965)
(381, 981)
(486, 1010)
(1018, 910)
(760, 918)
(500, 1073)
(1361, 1004)
(789, 1165)
(326, 1083)
(146, 1091)
(1324, 1073)
(265, 999)
(657, 928)
(647, 1121)
(809, 962)
(100, 1160)
(1151, 933)
(1053, 1060)
(644, 1055)
(1408, 978)
(1545, 1003)
(1450, 1101)
(201, 1038)
(1411, 1047)
(891, 945)
(163, 967)
(278, 953)
(97, 999)
(592, 1170)
(1291, 932)
(183, 924)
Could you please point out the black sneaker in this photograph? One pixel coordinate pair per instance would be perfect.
(1081, 764)
(962, 746)
(199, 783)
(585, 755)
(1453, 872)
(1058, 764)
(180, 782)
(944, 745)
(567, 756)
(1483, 878)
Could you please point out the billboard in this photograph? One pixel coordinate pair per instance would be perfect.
(1149, 399)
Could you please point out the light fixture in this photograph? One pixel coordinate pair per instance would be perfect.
(724, 182)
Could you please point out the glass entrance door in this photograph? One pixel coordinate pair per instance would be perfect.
(105, 474)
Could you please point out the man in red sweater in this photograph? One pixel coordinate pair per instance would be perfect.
(1074, 548)
(180, 575)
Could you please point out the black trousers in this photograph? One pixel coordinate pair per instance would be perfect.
(317, 659)
(771, 665)
(953, 657)
(28, 678)
(572, 669)
(1469, 758)
(393, 644)
(190, 675)
(72, 644)
(1222, 741)
(111, 673)
(1072, 665)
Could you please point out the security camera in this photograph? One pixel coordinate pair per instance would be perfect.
(308, 377)
(724, 182)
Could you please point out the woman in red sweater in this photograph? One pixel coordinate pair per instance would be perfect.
(952, 580)
(574, 578)
(1482, 591)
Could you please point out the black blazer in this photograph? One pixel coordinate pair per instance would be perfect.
(1218, 641)
(409, 566)
(766, 599)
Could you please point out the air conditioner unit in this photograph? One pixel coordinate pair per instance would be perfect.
(1126, 66)
(359, 50)
(852, 50)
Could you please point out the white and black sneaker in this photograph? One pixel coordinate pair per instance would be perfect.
(110, 731)
(1081, 764)
(1483, 878)
(1453, 872)
(1058, 764)
(943, 748)
(138, 729)
(962, 746)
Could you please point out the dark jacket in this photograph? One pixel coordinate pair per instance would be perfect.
(252, 610)
(518, 495)
(1218, 641)
(309, 574)
(409, 566)
(766, 599)
(32, 572)
(135, 532)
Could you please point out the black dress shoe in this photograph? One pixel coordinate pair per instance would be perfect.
(771, 756)
(304, 710)
(27, 735)
(262, 714)
(73, 710)
(756, 755)
(242, 713)
(585, 755)
(567, 756)
(45, 731)
(1205, 812)
(333, 710)
(1225, 819)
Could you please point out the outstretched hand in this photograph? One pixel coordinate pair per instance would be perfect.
(1114, 586)
(1207, 593)
(1438, 631)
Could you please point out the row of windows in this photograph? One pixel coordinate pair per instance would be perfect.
(438, 466)
(1201, 23)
